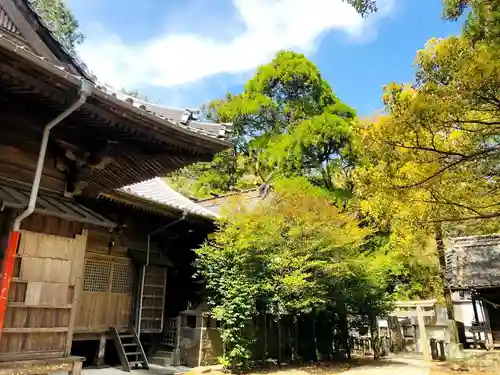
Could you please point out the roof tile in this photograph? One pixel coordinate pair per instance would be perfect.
(157, 191)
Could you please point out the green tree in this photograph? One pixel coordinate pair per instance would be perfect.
(279, 258)
(227, 170)
(483, 20)
(363, 7)
(287, 120)
(432, 161)
(60, 21)
(439, 140)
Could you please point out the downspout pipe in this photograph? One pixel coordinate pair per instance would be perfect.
(85, 92)
(143, 276)
(11, 250)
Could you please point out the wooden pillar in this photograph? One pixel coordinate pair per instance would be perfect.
(7, 270)
(77, 368)
(424, 342)
(474, 307)
(489, 334)
(101, 351)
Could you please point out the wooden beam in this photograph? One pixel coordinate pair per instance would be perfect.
(36, 330)
(101, 351)
(118, 118)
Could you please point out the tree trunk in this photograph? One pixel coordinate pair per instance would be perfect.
(264, 355)
(446, 291)
(316, 356)
(375, 336)
(344, 332)
(279, 342)
(396, 336)
(295, 346)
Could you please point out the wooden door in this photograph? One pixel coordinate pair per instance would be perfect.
(107, 294)
(43, 296)
(152, 306)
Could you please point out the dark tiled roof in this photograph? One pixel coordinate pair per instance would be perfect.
(473, 262)
(50, 204)
(176, 116)
(182, 117)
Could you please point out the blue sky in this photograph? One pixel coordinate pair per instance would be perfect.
(183, 53)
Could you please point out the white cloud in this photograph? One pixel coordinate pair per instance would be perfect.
(264, 27)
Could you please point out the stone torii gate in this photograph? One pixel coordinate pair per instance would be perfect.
(419, 309)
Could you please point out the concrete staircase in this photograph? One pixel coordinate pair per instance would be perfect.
(163, 358)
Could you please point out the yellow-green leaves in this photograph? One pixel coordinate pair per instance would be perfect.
(434, 157)
(296, 253)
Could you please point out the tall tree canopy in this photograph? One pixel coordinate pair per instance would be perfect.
(440, 138)
(61, 22)
(287, 120)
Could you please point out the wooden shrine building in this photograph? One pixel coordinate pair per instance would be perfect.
(65, 144)
(473, 266)
(151, 245)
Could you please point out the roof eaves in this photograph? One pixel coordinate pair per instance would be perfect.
(219, 132)
(150, 204)
(63, 73)
(156, 191)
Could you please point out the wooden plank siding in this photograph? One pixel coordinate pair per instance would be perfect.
(43, 295)
(19, 165)
(108, 287)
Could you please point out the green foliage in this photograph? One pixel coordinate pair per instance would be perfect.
(429, 164)
(363, 7)
(286, 121)
(279, 258)
(227, 170)
(483, 19)
(61, 22)
(439, 140)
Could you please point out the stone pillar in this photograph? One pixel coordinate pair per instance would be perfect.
(424, 341)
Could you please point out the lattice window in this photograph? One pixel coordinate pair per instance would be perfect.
(123, 279)
(97, 276)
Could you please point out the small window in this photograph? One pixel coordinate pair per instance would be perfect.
(191, 321)
(462, 294)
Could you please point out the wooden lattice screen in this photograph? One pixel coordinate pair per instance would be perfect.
(108, 277)
(153, 299)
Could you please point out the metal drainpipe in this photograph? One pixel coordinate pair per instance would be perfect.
(143, 276)
(85, 91)
(10, 252)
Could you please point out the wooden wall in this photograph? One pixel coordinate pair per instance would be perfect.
(20, 166)
(43, 296)
(108, 288)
